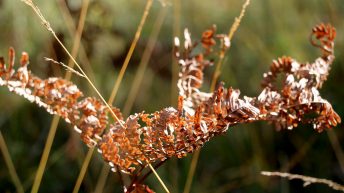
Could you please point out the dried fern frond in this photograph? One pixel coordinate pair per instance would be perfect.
(144, 138)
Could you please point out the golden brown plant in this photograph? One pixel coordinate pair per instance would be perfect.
(131, 143)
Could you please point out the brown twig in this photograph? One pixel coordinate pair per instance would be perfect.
(306, 179)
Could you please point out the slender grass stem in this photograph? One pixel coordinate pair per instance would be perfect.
(46, 24)
(75, 49)
(192, 170)
(307, 180)
(71, 27)
(336, 148)
(158, 177)
(231, 33)
(9, 163)
(77, 36)
(104, 173)
(176, 33)
(49, 28)
(299, 155)
(54, 124)
(83, 169)
(216, 75)
(174, 89)
(142, 66)
(135, 86)
(131, 51)
(45, 155)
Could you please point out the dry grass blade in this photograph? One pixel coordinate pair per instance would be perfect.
(306, 179)
(137, 35)
(78, 34)
(231, 32)
(118, 81)
(216, 75)
(158, 177)
(191, 172)
(73, 32)
(176, 33)
(237, 20)
(10, 165)
(70, 69)
(45, 155)
(48, 27)
(102, 178)
(134, 88)
(131, 51)
(336, 148)
(299, 155)
(55, 121)
(83, 170)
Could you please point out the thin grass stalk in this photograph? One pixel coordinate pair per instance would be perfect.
(56, 119)
(83, 169)
(174, 90)
(135, 86)
(131, 51)
(192, 170)
(53, 158)
(9, 163)
(216, 75)
(70, 24)
(104, 173)
(47, 25)
(176, 33)
(136, 83)
(105, 170)
(336, 148)
(231, 33)
(158, 177)
(143, 178)
(307, 180)
(45, 155)
(75, 49)
(77, 36)
(299, 155)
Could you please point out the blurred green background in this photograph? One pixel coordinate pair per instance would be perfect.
(229, 163)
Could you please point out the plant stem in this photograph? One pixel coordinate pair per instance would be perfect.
(307, 180)
(45, 155)
(130, 52)
(10, 165)
(83, 169)
(157, 176)
(135, 86)
(216, 75)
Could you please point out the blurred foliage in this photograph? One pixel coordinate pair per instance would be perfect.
(229, 163)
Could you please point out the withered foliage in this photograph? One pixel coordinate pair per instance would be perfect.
(144, 138)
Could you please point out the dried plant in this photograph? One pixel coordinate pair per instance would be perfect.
(130, 144)
(307, 180)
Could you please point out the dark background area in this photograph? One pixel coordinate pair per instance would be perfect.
(228, 163)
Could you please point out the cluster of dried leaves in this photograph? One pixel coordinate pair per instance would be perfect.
(132, 143)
